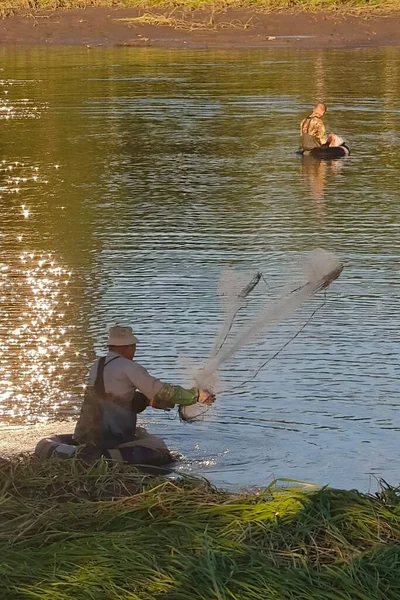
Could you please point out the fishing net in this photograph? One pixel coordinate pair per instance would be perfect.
(320, 269)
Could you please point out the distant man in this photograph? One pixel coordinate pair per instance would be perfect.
(118, 389)
(312, 129)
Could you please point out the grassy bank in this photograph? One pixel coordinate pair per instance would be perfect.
(72, 533)
(9, 6)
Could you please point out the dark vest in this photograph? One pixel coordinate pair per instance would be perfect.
(119, 424)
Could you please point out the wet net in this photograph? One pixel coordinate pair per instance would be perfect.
(320, 269)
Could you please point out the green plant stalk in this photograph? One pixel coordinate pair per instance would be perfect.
(73, 532)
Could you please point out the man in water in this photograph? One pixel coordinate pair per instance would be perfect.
(312, 129)
(118, 389)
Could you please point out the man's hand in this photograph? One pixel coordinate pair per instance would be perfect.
(206, 397)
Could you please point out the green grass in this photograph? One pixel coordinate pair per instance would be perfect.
(108, 532)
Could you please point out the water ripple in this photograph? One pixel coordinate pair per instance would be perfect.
(139, 177)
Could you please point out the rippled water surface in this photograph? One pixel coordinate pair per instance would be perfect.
(130, 180)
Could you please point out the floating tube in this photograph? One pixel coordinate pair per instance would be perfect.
(327, 152)
(330, 152)
(138, 452)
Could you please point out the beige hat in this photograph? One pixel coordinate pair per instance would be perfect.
(121, 336)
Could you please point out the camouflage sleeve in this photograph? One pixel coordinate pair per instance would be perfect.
(160, 394)
(320, 132)
(169, 395)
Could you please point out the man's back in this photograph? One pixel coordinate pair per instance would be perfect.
(122, 377)
(108, 414)
(312, 129)
(312, 132)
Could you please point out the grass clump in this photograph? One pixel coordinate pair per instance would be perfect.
(8, 7)
(75, 532)
(185, 22)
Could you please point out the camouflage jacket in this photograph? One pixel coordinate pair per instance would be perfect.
(313, 132)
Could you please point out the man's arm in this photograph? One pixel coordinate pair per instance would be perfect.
(320, 132)
(169, 395)
(164, 395)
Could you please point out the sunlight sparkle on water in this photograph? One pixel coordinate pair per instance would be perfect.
(18, 108)
(33, 357)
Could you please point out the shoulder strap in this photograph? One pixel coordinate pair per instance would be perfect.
(309, 119)
(99, 383)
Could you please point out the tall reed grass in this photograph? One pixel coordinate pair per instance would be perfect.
(9, 6)
(109, 532)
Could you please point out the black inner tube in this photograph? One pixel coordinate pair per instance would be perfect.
(330, 152)
(326, 152)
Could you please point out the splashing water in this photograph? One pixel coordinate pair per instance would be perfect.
(320, 269)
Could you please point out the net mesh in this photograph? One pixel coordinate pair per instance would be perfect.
(320, 268)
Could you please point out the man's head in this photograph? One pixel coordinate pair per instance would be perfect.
(319, 109)
(123, 341)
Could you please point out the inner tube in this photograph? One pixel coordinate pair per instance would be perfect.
(327, 152)
(64, 446)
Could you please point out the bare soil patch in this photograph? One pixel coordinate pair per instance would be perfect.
(233, 28)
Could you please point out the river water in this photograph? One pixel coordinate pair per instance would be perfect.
(130, 180)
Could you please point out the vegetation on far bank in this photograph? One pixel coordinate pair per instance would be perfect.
(8, 7)
(70, 532)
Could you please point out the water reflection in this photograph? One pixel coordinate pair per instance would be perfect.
(17, 108)
(315, 175)
(35, 329)
(148, 174)
(15, 175)
(35, 337)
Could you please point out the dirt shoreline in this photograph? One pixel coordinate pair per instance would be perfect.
(103, 27)
(14, 440)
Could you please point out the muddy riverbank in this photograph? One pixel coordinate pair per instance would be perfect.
(233, 28)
